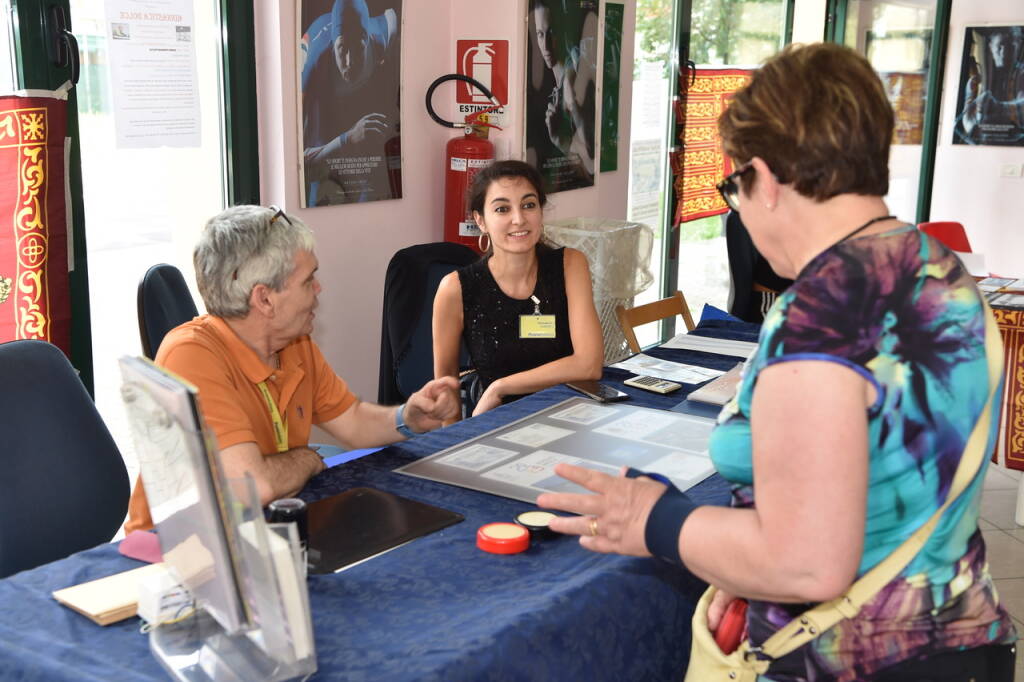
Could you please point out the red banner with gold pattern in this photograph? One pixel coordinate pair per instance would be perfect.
(1010, 446)
(34, 301)
(702, 164)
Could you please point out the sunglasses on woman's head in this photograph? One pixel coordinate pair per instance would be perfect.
(730, 189)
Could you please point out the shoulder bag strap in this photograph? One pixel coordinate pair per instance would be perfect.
(812, 623)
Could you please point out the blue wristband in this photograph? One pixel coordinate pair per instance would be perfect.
(665, 522)
(400, 422)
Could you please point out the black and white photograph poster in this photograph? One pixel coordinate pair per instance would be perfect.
(990, 102)
(349, 64)
(561, 91)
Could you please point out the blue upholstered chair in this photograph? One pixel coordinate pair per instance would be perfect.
(406, 347)
(164, 302)
(64, 486)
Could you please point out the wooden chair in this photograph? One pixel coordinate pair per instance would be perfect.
(650, 312)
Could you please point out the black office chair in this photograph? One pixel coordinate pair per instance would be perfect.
(406, 346)
(753, 284)
(64, 486)
(164, 302)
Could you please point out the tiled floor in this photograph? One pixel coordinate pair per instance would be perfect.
(1005, 542)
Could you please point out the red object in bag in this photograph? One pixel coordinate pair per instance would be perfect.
(733, 627)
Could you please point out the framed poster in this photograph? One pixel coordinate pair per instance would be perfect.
(349, 108)
(561, 91)
(990, 102)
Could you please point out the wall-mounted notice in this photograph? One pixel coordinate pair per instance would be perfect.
(485, 61)
(153, 73)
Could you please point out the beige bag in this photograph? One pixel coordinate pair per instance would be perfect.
(709, 664)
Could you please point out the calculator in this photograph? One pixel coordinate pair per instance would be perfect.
(652, 384)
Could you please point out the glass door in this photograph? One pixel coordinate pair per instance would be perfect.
(897, 38)
(713, 34)
(736, 34)
(146, 203)
(650, 186)
(147, 190)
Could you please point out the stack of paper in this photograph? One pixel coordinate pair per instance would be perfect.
(721, 390)
(665, 369)
(107, 600)
(739, 349)
(990, 284)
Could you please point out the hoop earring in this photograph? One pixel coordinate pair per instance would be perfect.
(480, 242)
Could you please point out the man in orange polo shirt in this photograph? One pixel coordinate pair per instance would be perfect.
(262, 380)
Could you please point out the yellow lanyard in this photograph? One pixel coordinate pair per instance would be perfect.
(280, 426)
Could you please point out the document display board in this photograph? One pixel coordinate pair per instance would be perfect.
(518, 459)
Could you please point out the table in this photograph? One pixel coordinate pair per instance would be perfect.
(1010, 446)
(435, 609)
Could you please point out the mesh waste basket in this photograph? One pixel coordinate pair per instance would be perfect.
(619, 254)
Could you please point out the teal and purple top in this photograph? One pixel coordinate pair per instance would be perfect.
(899, 309)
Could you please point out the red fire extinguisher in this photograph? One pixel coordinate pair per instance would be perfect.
(464, 156)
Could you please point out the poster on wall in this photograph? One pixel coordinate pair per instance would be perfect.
(561, 91)
(613, 14)
(349, 109)
(906, 93)
(990, 102)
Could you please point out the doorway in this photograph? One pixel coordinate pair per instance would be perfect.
(144, 202)
(714, 34)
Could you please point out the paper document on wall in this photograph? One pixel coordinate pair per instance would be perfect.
(664, 369)
(154, 87)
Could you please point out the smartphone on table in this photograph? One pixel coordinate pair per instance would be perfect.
(598, 391)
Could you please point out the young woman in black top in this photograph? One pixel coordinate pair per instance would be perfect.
(526, 311)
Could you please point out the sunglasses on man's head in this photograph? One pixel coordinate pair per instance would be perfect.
(279, 213)
(730, 189)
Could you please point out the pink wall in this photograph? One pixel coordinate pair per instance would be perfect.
(355, 242)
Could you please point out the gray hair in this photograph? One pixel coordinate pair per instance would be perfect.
(242, 247)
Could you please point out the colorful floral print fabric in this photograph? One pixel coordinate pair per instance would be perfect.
(900, 310)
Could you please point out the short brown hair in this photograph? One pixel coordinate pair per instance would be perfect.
(819, 117)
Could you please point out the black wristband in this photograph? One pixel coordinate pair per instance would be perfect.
(665, 522)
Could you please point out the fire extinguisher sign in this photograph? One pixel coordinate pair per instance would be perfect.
(487, 62)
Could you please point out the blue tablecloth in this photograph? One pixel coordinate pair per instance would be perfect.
(435, 609)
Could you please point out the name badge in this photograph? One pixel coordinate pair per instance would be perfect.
(536, 326)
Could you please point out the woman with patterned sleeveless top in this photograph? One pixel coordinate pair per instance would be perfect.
(871, 374)
(525, 310)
